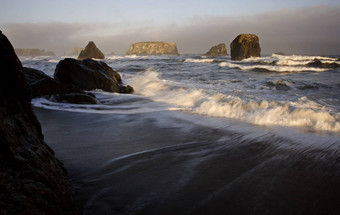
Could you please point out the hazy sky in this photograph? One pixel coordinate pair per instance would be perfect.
(290, 26)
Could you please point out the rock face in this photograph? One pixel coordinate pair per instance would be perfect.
(153, 48)
(219, 50)
(245, 46)
(89, 75)
(91, 51)
(33, 52)
(44, 86)
(32, 180)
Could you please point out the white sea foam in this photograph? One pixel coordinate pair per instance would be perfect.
(192, 60)
(301, 113)
(273, 68)
(290, 60)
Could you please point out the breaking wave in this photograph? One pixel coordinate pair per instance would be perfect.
(272, 68)
(301, 113)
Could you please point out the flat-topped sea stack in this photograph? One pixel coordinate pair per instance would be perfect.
(219, 50)
(153, 48)
(245, 46)
(33, 52)
(91, 51)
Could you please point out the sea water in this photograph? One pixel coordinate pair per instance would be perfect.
(275, 90)
(200, 131)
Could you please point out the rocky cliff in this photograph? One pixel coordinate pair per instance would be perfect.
(33, 52)
(91, 51)
(153, 48)
(219, 50)
(245, 46)
(32, 180)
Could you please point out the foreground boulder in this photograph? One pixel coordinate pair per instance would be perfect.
(245, 46)
(44, 86)
(32, 180)
(91, 51)
(153, 48)
(219, 50)
(90, 75)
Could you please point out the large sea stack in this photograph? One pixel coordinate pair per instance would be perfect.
(91, 51)
(89, 74)
(219, 50)
(32, 180)
(153, 48)
(245, 46)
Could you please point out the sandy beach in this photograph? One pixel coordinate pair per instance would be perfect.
(137, 164)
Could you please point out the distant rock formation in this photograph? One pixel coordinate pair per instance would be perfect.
(89, 74)
(219, 50)
(153, 48)
(91, 51)
(76, 51)
(33, 52)
(32, 180)
(44, 86)
(245, 46)
(318, 63)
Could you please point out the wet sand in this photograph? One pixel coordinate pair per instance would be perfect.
(141, 164)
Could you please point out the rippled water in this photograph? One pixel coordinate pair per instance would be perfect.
(203, 135)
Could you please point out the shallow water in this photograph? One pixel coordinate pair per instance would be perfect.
(203, 136)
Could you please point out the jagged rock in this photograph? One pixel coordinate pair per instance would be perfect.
(89, 75)
(32, 180)
(219, 50)
(153, 48)
(44, 86)
(91, 51)
(33, 52)
(245, 46)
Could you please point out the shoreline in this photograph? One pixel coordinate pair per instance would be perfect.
(136, 164)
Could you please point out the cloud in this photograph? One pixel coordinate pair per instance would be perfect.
(312, 30)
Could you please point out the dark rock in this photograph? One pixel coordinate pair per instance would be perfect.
(33, 52)
(153, 48)
(43, 85)
(91, 51)
(317, 63)
(75, 98)
(219, 50)
(245, 46)
(32, 180)
(89, 75)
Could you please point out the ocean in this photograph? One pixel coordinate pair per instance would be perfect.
(203, 135)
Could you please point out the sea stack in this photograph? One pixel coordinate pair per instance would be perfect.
(153, 48)
(91, 51)
(33, 52)
(32, 180)
(245, 46)
(89, 74)
(219, 50)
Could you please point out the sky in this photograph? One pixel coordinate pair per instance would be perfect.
(291, 26)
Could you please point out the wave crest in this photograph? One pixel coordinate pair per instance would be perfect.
(301, 113)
